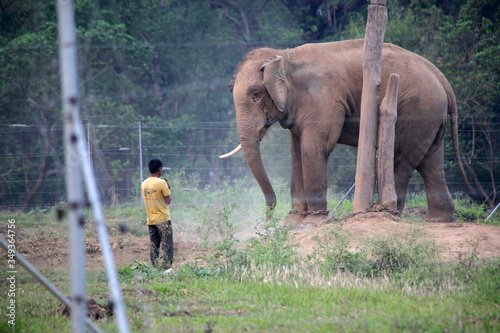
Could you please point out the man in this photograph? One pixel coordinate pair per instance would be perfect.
(157, 197)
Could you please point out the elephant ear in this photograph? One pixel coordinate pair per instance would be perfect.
(275, 81)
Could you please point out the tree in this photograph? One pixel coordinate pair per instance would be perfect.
(471, 59)
(29, 97)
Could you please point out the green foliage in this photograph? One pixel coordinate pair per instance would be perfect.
(399, 251)
(394, 253)
(468, 48)
(486, 278)
(138, 270)
(334, 249)
(339, 210)
(416, 199)
(273, 246)
(468, 211)
(227, 245)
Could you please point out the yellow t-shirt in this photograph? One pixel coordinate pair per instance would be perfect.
(154, 191)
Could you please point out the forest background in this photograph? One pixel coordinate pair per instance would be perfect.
(164, 66)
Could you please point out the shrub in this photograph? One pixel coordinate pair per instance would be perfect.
(401, 250)
(334, 248)
(273, 247)
(467, 210)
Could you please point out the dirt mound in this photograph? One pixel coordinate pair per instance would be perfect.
(452, 239)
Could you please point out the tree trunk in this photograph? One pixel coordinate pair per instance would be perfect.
(327, 15)
(386, 130)
(365, 168)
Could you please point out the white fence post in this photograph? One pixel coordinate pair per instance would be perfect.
(74, 188)
(78, 157)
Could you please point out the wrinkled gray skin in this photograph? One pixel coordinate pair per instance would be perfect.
(314, 91)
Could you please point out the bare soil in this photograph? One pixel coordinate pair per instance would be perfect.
(46, 249)
(452, 239)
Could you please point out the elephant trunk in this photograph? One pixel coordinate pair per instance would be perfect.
(251, 150)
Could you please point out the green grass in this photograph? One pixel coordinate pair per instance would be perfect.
(391, 283)
(269, 299)
(275, 305)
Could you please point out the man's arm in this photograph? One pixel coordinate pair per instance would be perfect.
(168, 199)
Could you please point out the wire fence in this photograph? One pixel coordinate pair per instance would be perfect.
(179, 157)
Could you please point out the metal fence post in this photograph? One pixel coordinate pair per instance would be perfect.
(74, 188)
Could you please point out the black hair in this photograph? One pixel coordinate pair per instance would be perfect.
(154, 165)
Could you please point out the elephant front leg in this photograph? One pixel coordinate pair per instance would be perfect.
(314, 172)
(299, 202)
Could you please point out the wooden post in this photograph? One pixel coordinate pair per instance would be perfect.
(386, 133)
(365, 168)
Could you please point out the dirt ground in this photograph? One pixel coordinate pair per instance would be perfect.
(451, 239)
(50, 250)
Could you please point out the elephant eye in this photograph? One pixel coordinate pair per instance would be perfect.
(256, 95)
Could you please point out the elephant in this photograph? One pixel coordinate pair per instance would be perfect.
(314, 91)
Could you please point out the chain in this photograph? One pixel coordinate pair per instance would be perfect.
(295, 211)
(318, 212)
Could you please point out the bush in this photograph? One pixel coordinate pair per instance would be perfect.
(334, 248)
(401, 250)
(273, 247)
(393, 253)
(467, 210)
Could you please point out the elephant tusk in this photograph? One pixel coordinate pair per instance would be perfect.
(235, 150)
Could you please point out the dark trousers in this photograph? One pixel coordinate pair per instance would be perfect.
(161, 237)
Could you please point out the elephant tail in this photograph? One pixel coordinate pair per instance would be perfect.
(453, 111)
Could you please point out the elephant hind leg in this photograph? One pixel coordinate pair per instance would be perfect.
(439, 202)
(402, 175)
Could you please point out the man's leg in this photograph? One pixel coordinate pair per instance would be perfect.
(154, 247)
(167, 243)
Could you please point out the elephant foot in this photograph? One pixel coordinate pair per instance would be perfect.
(440, 211)
(439, 217)
(295, 217)
(313, 220)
